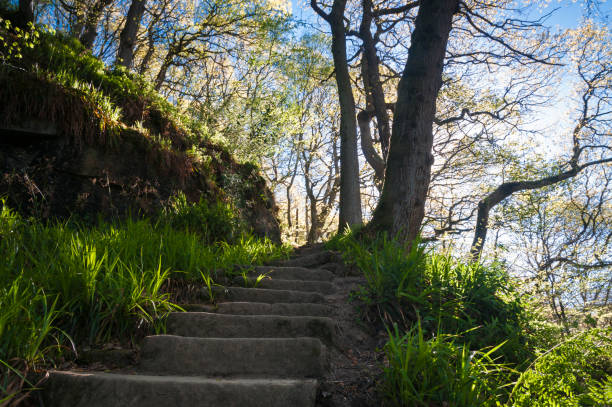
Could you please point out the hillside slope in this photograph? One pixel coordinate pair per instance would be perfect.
(78, 138)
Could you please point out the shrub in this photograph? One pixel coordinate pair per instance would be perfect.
(468, 334)
(576, 372)
(443, 293)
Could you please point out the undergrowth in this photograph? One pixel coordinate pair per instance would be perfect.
(460, 334)
(55, 57)
(64, 284)
(49, 76)
(213, 222)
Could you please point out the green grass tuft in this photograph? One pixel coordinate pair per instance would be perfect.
(461, 335)
(65, 285)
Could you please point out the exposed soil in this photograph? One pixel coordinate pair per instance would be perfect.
(355, 363)
(55, 179)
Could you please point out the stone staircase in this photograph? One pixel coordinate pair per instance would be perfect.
(264, 346)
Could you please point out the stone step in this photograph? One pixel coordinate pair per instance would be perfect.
(323, 287)
(294, 273)
(270, 357)
(84, 389)
(241, 294)
(260, 308)
(309, 260)
(210, 325)
(309, 249)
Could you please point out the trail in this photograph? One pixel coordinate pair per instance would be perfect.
(291, 340)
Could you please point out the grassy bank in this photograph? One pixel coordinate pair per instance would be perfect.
(460, 334)
(65, 285)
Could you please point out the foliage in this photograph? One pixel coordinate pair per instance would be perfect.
(439, 371)
(462, 335)
(14, 40)
(60, 81)
(576, 372)
(66, 284)
(65, 62)
(213, 222)
(445, 294)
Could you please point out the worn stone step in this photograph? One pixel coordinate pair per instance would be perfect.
(266, 295)
(294, 273)
(323, 287)
(309, 249)
(309, 260)
(210, 325)
(271, 357)
(260, 308)
(84, 389)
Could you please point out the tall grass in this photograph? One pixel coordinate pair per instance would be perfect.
(443, 293)
(462, 336)
(439, 371)
(65, 284)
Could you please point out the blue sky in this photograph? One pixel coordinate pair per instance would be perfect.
(567, 15)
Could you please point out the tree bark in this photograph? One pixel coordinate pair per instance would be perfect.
(314, 229)
(163, 70)
(288, 193)
(401, 207)
(289, 186)
(26, 12)
(127, 38)
(76, 29)
(297, 223)
(144, 64)
(367, 147)
(371, 77)
(350, 198)
(88, 38)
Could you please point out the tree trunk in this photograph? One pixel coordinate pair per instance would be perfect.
(401, 208)
(76, 28)
(505, 190)
(297, 223)
(125, 55)
(88, 38)
(288, 191)
(508, 188)
(289, 186)
(367, 147)
(161, 75)
(350, 198)
(314, 231)
(371, 77)
(26, 12)
(306, 217)
(364, 119)
(144, 64)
